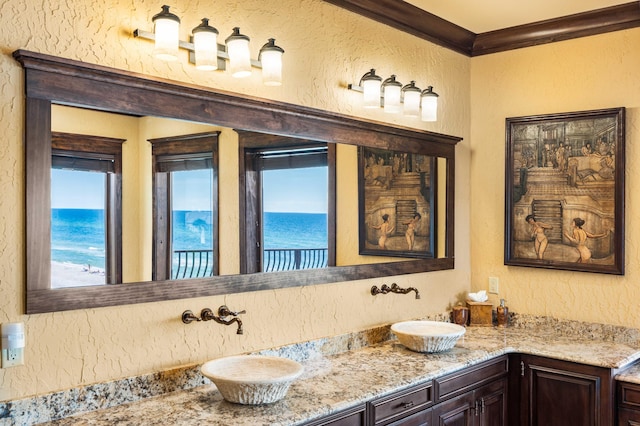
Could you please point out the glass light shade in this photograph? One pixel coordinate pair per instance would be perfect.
(239, 55)
(371, 83)
(166, 29)
(429, 105)
(205, 42)
(271, 60)
(411, 100)
(392, 90)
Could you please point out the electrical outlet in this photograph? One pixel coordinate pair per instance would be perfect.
(494, 284)
(12, 357)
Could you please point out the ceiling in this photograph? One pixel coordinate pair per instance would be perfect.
(480, 16)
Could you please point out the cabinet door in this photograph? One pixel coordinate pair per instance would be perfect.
(459, 411)
(563, 393)
(492, 405)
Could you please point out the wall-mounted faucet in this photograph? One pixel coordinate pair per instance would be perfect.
(207, 314)
(395, 288)
(223, 312)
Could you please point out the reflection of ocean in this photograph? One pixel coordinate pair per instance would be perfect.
(295, 230)
(77, 235)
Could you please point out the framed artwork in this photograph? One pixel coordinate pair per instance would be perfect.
(397, 203)
(564, 191)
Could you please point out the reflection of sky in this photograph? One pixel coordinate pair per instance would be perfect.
(192, 190)
(73, 189)
(295, 190)
(291, 190)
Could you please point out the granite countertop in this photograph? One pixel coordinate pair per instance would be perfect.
(332, 383)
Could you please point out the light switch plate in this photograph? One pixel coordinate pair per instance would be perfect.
(494, 284)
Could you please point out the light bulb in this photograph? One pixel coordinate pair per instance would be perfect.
(271, 60)
(429, 104)
(166, 29)
(239, 55)
(205, 42)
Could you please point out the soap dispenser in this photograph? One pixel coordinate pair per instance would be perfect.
(503, 314)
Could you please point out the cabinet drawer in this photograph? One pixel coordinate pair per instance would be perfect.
(421, 418)
(629, 395)
(352, 417)
(401, 403)
(628, 417)
(469, 378)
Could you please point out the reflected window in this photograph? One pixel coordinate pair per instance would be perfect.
(86, 194)
(289, 200)
(185, 206)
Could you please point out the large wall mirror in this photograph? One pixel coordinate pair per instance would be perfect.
(146, 159)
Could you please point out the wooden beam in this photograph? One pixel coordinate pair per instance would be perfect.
(590, 23)
(420, 23)
(413, 20)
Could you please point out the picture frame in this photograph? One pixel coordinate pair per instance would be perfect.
(397, 196)
(564, 191)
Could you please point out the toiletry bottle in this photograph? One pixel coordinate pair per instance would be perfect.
(502, 314)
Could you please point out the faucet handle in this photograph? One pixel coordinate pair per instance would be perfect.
(188, 317)
(224, 311)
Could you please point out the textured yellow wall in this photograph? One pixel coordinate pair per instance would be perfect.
(584, 74)
(326, 48)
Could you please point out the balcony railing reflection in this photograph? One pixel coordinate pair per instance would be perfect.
(199, 263)
(192, 264)
(290, 259)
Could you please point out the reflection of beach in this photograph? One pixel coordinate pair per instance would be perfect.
(64, 274)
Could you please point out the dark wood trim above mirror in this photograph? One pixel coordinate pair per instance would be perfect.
(52, 80)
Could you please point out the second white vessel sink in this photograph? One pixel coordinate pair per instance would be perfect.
(428, 336)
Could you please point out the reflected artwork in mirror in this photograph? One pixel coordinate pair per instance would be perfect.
(397, 203)
(54, 84)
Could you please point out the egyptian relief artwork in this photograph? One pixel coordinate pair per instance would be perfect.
(397, 202)
(565, 189)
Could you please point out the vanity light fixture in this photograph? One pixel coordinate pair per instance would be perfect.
(393, 97)
(429, 103)
(207, 54)
(391, 92)
(205, 44)
(239, 54)
(411, 95)
(271, 59)
(166, 26)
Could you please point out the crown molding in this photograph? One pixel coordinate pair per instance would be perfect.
(420, 23)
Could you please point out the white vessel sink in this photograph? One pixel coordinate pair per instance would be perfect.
(428, 336)
(252, 379)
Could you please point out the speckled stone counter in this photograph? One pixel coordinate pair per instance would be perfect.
(333, 382)
(630, 375)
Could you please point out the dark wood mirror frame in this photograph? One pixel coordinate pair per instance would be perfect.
(52, 80)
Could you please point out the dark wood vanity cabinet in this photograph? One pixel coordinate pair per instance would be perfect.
(474, 396)
(477, 395)
(515, 389)
(628, 404)
(486, 406)
(553, 392)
